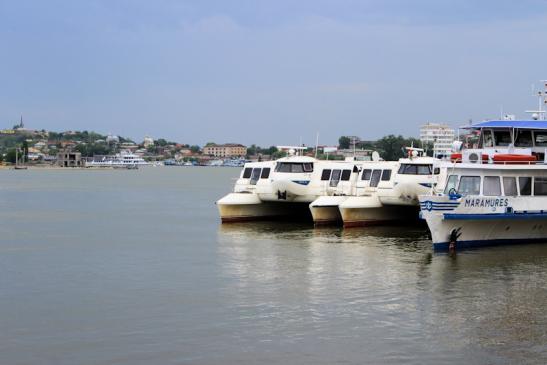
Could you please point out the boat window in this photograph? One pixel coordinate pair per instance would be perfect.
(469, 185)
(525, 185)
(424, 169)
(366, 174)
(255, 176)
(436, 171)
(294, 167)
(491, 186)
(335, 178)
(510, 186)
(487, 138)
(247, 173)
(265, 173)
(451, 183)
(414, 169)
(386, 175)
(308, 167)
(346, 175)
(375, 178)
(502, 138)
(540, 138)
(325, 175)
(540, 186)
(523, 139)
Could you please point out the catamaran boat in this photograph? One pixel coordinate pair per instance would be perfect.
(284, 188)
(495, 194)
(388, 192)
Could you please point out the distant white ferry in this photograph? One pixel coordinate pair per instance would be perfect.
(122, 159)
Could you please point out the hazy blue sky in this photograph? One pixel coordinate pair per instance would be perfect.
(271, 72)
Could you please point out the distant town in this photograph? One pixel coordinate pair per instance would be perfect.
(80, 148)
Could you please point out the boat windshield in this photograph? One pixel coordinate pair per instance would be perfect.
(414, 169)
(294, 167)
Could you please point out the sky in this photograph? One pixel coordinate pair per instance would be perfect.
(273, 72)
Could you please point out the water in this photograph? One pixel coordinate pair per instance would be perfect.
(133, 267)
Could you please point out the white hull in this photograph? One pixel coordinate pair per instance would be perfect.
(325, 210)
(368, 210)
(476, 233)
(484, 221)
(243, 207)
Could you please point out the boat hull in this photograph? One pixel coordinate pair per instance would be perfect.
(491, 232)
(243, 207)
(325, 210)
(369, 211)
(476, 221)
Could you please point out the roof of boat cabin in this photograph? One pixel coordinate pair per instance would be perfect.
(521, 124)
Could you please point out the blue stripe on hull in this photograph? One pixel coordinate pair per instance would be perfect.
(494, 216)
(443, 246)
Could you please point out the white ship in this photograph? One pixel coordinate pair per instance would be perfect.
(122, 159)
(495, 194)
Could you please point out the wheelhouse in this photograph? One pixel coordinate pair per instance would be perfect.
(520, 134)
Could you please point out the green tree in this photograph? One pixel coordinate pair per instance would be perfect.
(344, 142)
(10, 156)
(194, 149)
(391, 147)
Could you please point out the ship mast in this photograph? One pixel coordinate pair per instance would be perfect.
(539, 114)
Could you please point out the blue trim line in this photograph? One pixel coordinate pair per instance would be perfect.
(443, 246)
(301, 182)
(427, 185)
(494, 216)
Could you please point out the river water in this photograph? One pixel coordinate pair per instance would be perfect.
(133, 267)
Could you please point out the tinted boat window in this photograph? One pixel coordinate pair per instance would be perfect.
(413, 169)
(265, 173)
(424, 169)
(366, 174)
(451, 183)
(335, 177)
(541, 138)
(375, 178)
(294, 167)
(510, 186)
(502, 138)
(469, 185)
(525, 185)
(523, 139)
(491, 186)
(247, 173)
(540, 186)
(345, 175)
(255, 176)
(325, 175)
(386, 175)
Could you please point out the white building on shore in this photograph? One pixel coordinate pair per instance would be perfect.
(440, 135)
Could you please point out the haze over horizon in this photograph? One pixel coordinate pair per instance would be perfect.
(267, 72)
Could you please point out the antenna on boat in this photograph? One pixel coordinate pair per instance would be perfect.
(539, 114)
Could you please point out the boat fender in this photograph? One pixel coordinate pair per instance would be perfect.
(281, 195)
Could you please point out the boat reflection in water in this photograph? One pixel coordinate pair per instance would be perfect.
(384, 284)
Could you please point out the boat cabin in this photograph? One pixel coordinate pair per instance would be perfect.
(502, 135)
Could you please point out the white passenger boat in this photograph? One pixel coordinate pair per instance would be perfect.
(283, 188)
(338, 181)
(388, 192)
(496, 194)
(122, 159)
